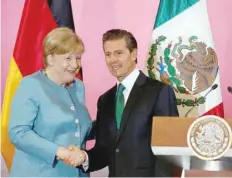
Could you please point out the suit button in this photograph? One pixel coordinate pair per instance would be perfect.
(76, 121)
(117, 150)
(77, 134)
(72, 107)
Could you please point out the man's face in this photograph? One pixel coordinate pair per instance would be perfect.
(119, 60)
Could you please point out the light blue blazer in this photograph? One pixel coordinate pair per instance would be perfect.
(43, 117)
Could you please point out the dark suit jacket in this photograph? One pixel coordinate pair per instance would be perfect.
(128, 152)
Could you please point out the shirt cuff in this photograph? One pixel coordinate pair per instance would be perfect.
(85, 165)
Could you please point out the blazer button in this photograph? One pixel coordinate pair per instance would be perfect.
(117, 150)
(72, 108)
(77, 134)
(77, 121)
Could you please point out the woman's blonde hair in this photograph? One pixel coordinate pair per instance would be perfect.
(61, 40)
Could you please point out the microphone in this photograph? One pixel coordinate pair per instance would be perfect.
(212, 88)
(229, 88)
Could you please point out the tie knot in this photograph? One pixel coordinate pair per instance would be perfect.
(121, 88)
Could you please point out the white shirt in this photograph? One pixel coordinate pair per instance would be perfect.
(128, 83)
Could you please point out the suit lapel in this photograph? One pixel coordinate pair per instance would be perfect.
(111, 110)
(132, 101)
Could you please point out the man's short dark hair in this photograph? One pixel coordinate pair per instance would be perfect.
(116, 34)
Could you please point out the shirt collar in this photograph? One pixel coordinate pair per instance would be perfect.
(129, 81)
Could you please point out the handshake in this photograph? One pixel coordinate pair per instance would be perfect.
(72, 155)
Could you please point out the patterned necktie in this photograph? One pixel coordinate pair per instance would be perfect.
(119, 105)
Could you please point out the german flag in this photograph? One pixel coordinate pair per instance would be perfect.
(38, 18)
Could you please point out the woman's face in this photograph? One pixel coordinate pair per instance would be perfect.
(65, 66)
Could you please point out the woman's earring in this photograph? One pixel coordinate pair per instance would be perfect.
(50, 61)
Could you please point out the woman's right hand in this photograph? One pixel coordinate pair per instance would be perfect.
(72, 156)
(62, 153)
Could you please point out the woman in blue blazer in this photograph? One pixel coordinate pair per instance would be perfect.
(48, 112)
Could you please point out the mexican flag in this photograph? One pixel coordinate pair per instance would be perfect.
(182, 55)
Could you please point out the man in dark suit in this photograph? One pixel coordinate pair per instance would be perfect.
(124, 115)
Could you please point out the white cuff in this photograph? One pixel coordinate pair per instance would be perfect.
(85, 165)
